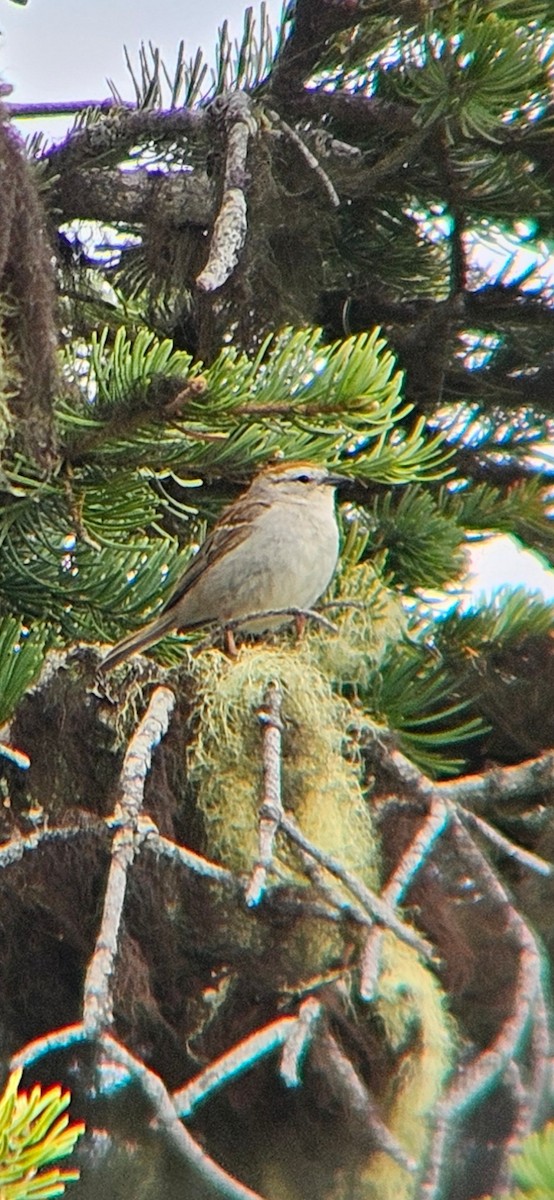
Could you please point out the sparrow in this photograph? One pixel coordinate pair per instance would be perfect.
(274, 548)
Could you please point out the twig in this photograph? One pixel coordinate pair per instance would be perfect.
(373, 904)
(345, 906)
(241, 623)
(479, 1075)
(271, 808)
(119, 129)
(522, 1099)
(245, 1055)
(62, 108)
(14, 850)
(527, 859)
(418, 851)
(167, 1119)
(412, 860)
(353, 1093)
(298, 1040)
(229, 232)
(18, 757)
(525, 781)
(97, 1002)
(308, 157)
(165, 848)
(60, 1039)
(501, 784)
(476, 1078)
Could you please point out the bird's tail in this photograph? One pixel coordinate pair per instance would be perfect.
(139, 640)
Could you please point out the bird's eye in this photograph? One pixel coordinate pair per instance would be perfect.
(303, 479)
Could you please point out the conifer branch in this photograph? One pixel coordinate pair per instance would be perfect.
(229, 232)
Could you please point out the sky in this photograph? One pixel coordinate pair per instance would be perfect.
(66, 49)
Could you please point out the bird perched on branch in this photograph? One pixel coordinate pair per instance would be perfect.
(274, 548)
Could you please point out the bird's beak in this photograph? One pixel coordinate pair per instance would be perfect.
(335, 480)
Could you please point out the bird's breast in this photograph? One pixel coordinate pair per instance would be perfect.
(286, 561)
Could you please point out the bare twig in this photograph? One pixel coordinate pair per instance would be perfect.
(308, 157)
(167, 1119)
(14, 850)
(118, 130)
(477, 1077)
(18, 757)
(412, 860)
(271, 808)
(97, 1002)
(525, 781)
(166, 1116)
(370, 901)
(165, 848)
(60, 1039)
(235, 1062)
(533, 861)
(299, 1038)
(242, 623)
(354, 1094)
(64, 108)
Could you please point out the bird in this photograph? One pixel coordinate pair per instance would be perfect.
(274, 548)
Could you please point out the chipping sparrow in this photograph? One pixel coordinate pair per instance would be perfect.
(275, 547)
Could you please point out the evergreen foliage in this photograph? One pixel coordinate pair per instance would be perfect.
(34, 1132)
(533, 1167)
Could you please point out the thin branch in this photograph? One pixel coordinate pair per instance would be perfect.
(165, 1113)
(527, 859)
(370, 901)
(476, 1078)
(13, 851)
(49, 1043)
(525, 781)
(245, 1055)
(309, 158)
(242, 623)
(411, 862)
(418, 851)
(17, 757)
(296, 1045)
(355, 1096)
(165, 848)
(119, 130)
(97, 1002)
(271, 808)
(528, 780)
(167, 1119)
(62, 108)
(229, 232)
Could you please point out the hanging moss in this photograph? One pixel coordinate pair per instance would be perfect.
(420, 1032)
(319, 785)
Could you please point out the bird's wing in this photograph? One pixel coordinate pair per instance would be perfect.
(233, 528)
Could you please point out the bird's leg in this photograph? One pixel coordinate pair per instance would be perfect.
(299, 624)
(229, 644)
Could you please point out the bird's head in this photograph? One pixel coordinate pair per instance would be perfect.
(297, 480)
